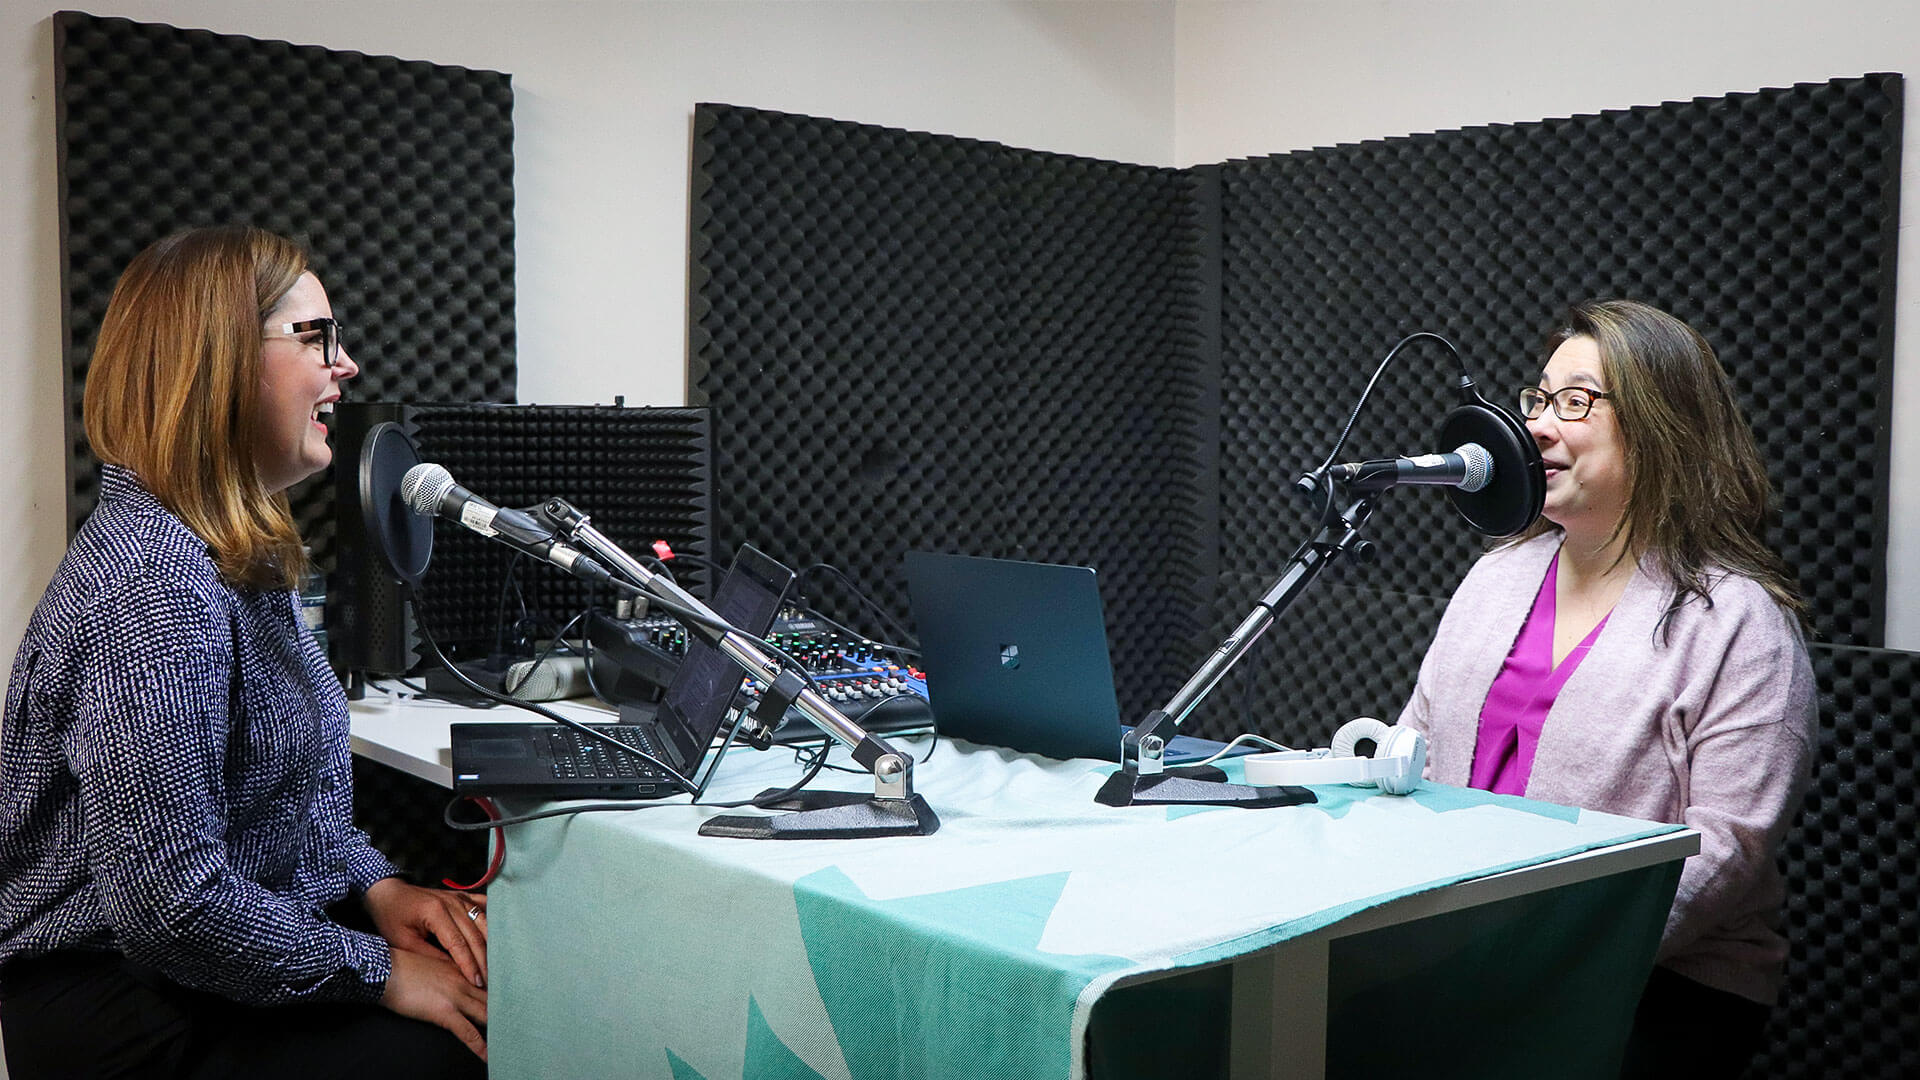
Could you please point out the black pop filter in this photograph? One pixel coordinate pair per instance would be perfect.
(403, 537)
(1514, 497)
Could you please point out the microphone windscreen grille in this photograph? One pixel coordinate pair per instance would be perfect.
(424, 486)
(554, 679)
(1479, 466)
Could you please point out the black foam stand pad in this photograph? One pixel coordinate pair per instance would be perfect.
(832, 815)
(1197, 785)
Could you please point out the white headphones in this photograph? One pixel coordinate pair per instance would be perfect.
(1399, 757)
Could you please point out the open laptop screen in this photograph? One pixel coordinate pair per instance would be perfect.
(703, 685)
(1016, 656)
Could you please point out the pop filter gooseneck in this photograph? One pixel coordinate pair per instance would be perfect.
(1518, 492)
(402, 537)
(1518, 488)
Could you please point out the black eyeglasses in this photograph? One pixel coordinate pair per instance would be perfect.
(329, 331)
(1569, 402)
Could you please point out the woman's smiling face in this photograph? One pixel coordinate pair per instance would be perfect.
(296, 386)
(1586, 461)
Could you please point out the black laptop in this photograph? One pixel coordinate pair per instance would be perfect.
(545, 760)
(1016, 656)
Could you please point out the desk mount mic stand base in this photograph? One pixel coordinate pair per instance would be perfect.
(1201, 785)
(830, 815)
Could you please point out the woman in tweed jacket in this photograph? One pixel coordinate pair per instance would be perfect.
(175, 782)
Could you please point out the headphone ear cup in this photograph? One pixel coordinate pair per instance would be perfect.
(1353, 733)
(1403, 742)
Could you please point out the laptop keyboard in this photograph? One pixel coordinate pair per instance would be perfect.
(575, 756)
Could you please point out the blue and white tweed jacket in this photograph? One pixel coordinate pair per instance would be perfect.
(175, 779)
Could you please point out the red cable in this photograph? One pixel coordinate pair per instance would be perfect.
(499, 848)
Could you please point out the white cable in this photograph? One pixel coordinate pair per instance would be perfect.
(1248, 737)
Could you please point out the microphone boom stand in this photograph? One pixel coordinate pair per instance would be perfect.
(894, 809)
(1143, 778)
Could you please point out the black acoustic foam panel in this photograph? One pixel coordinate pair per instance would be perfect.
(640, 475)
(1851, 1005)
(830, 253)
(397, 174)
(913, 341)
(1300, 682)
(1766, 220)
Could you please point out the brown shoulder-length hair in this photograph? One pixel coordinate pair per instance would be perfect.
(173, 390)
(1697, 494)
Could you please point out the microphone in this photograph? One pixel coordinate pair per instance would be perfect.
(429, 490)
(1468, 468)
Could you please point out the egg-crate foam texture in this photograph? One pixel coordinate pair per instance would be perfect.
(401, 815)
(640, 474)
(1766, 220)
(397, 175)
(1851, 1004)
(915, 341)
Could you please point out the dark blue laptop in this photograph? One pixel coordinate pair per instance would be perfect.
(1015, 655)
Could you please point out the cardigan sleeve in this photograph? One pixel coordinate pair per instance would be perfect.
(1443, 705)
(1748, 758)
(1418, 711)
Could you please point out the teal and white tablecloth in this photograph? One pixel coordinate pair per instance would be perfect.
(626, 945)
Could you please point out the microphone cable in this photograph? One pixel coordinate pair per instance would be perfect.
(499, 844)
(672, 607)
(447, 819)
(894, 625)
(1368, 391)
(558, 641)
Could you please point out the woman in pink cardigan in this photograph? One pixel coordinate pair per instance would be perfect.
(1638, 651)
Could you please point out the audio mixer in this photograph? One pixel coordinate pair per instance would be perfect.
(633, 656)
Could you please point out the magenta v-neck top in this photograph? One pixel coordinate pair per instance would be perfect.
(1521, 694)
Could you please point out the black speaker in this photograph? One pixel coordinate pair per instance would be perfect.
(369, 627)
(642, 475)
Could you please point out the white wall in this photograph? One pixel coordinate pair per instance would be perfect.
(603, 100)
(1260, 78)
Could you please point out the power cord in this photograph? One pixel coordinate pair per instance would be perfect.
(1238, 740)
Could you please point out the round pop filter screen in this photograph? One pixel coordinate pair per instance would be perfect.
(1517, 490)
(402, 537)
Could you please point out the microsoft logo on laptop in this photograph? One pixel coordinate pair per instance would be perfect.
(1009, 656)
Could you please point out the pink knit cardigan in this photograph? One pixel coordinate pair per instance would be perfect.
(1708, 722)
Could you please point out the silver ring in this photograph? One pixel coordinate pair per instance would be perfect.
(473, 913)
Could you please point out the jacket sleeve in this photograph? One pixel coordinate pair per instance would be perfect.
(149, 745)
(1749, 753)
(346, 846)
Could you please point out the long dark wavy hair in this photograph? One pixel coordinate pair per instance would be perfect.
(1697, 496)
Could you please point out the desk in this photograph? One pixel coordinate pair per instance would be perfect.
(412, 735)
(627, 945)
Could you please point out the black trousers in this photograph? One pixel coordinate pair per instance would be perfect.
(91, 1015)
(1684, 1029)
